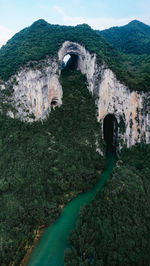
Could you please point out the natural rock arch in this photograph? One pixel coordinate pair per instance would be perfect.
(38, 90)
(85, 62)
(72, 48)
(71, 63)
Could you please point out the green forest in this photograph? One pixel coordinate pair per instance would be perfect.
(132, 41)
(114, 229)
(45, 164)
(42, 39)
(133, 38)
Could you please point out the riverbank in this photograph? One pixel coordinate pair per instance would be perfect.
(68, 197)
(55, 241)
(114, 228)
(38, 235)
(41, 230)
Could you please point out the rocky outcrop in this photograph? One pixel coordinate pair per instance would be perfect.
(36, 89)
(128, 108)
(86, 62)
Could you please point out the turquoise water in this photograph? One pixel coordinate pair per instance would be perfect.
(51, 246)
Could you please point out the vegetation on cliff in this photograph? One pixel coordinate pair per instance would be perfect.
(114, 229)
(44, 163)
(42, 39)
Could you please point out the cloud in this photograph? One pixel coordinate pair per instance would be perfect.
(59, 10)
(5, 35)
(97, 23)
(67, 20)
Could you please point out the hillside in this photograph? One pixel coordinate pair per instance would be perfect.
(114, 228)
(132, 41)
(46, 163)
(42, 39)
(43, 165)
(131, 38)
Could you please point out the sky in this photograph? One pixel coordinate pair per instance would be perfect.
(99, 14)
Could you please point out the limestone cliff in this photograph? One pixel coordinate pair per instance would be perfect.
(36, 89)
(128, 107)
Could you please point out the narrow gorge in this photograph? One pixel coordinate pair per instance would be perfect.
(69, 96)
(37, 89)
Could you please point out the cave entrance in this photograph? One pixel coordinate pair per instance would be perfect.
(110, 131)
(54, 102)
(70, 62)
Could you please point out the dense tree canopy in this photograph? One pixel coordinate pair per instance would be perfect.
(44, 164)
(133, 43)
(42, 39)
(114, 229)
(133, 38)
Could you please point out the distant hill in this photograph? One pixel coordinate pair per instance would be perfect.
(132, 41)
(131, 38)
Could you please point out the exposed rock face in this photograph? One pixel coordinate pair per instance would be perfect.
(86, 62)
(128, 108)
(37, 89)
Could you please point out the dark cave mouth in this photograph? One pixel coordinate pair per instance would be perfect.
(70, 62)
(54, 102)
(110, 131)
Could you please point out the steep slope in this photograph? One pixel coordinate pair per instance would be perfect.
(114, 228)
(133, 43)
(131, 38)
(42, 40)
(45, 164)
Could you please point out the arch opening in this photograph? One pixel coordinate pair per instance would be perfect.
(110, 131)
(70, 62)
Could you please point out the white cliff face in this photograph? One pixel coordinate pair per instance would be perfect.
(37, 89)
(115, 98)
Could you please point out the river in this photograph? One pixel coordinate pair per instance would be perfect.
(50, 248)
